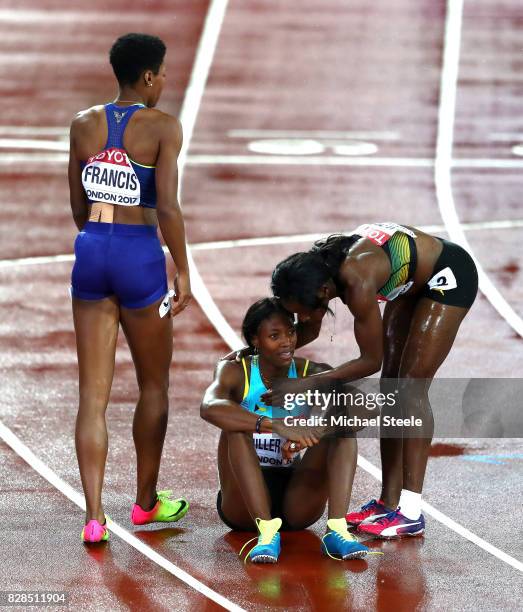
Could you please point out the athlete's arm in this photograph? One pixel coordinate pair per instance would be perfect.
(221, 407)
(360, 297)
(221, 402)
(291, 447)
(168, 209)
(77, 195)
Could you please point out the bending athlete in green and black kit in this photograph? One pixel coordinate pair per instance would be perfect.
(429, 285)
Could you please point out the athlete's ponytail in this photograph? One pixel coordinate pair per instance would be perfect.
(300, 276)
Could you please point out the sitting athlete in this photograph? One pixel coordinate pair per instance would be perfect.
(428, 285)
(123, 183)
(264, 482)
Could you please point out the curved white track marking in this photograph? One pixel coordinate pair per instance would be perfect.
(443, 161)
(188, 114)
(263, 241)
(27, 455)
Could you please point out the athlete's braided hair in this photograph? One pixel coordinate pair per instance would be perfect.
(300, 276)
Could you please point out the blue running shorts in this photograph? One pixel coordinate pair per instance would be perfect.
(126, 261)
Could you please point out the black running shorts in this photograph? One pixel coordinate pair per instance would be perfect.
(454, 280)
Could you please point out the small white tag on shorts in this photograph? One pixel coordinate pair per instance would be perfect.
(443, 280)
(165, 305)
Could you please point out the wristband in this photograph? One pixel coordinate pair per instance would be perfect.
(259, 422)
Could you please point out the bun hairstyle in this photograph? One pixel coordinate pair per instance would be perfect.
(260, 311)
(300, 276)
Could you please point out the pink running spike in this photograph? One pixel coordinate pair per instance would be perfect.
(95, 532)
(139, 516)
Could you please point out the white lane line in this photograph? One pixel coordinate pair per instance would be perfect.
(340, 160)
(324, 134)
(25, 143)
(442, 167)
(7, 159)
(188, 113)
(267, 241)
(294, 238)
(313, 160)
(33, 261)
(501, 163)
(29, 130)
(506, 136)
(129, 18)
(77, 498)
(56, 157)
(33, 130)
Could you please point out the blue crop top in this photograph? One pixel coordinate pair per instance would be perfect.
(112, 176)
(268, 446)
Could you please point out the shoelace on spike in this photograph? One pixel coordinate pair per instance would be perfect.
(388, 517)
(346, 538)
(249, 551)
(264, 539)
(369, 505)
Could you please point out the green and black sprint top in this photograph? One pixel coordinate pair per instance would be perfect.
(399, 244)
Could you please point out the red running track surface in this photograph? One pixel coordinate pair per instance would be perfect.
(330, 67)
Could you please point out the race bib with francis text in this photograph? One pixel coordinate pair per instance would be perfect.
(109, 177)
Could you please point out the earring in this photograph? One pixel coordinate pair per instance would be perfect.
(255, 350)
(149, 84)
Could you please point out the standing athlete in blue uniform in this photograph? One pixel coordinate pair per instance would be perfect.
(263, 482)
(123, 183)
